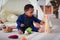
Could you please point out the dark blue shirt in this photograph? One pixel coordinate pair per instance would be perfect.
(28, 22)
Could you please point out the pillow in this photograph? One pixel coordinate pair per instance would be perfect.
(7, 12)
(10, 15)
(16, 12)
(10, 24)
(11, 18)
(3, 17)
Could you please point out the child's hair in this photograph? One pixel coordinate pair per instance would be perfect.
(26, 8)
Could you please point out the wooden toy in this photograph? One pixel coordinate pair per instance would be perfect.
(7, 29)
(24, 38)
(47, 26)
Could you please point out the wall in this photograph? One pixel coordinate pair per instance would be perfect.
(19, 5)
(2, 5)
(3, 2)
(44, 2)
(16, 4)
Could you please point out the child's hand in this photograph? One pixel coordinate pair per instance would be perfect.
(42, 22)
(22, 25)
(37, 25)
(41, 29)
(20, 32)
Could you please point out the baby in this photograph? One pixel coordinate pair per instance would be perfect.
(26, 20)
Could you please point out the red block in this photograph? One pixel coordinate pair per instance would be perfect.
(13, 36)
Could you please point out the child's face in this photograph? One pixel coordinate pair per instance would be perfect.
(29, 13)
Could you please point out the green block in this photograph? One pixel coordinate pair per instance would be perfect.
(29, 30)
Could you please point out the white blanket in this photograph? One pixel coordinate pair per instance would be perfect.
(54, 35)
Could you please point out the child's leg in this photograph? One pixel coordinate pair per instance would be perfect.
(41, 29)
(22, 30)
(35, 29)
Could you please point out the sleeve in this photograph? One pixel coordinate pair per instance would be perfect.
(36, 19)
(19, 21)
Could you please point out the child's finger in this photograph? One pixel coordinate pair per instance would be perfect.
(20, 32)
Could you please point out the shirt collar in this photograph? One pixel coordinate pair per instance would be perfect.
(26, 16)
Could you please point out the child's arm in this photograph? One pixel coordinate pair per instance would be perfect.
(37, 20)
(19, 23)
